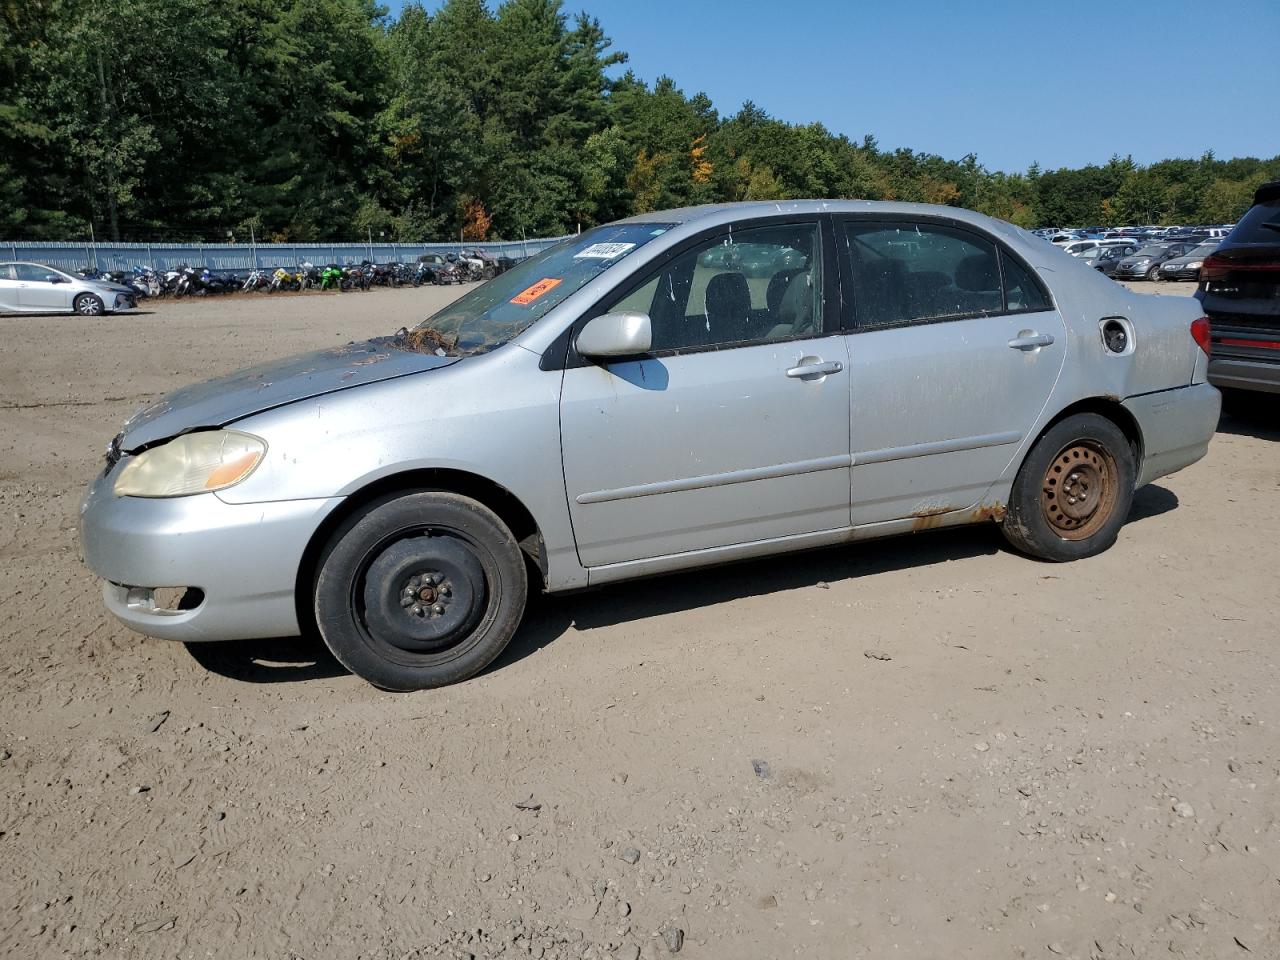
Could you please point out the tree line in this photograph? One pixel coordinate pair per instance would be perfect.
(306, 120)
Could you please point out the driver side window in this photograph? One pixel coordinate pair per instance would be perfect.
(751, 286)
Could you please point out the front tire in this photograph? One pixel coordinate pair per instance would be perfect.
(420, 590)
(1073, 492)
(89, 305)
(1154, 273)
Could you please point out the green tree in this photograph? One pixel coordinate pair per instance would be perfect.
(317, 119)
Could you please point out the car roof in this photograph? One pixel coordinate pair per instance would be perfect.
(711, 214)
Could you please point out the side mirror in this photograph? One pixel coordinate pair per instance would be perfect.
(616, 335)
(53, 278)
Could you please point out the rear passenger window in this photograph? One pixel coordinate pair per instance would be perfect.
(904, 273)
(1021, 290)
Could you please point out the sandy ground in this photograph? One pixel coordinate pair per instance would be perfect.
(1075, 761)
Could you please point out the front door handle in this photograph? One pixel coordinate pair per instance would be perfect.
(1029, 341)
(811, 371)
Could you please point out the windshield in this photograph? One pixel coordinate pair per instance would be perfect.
(498, 310)
(1203, 250)
(1150, 251)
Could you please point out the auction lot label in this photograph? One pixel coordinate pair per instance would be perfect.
(532, 293)
(603, 251)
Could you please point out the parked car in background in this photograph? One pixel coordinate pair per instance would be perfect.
(1079, 248)
(579, 420)
(1091, 256)
(1109, 258)
(1144, 263)
(1187, 266)
(1240, 292)
(37, 288)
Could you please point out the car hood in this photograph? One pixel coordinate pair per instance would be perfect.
(217, 402)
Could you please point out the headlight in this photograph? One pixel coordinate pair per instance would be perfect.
(192, 463)
(1194, 265)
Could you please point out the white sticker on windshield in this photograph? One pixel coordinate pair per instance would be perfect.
(604, 251)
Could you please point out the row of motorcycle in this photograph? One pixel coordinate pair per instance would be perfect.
(187, 281)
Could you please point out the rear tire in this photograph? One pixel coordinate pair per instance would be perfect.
(1154, 273)
(420, 590)
(1073, 492)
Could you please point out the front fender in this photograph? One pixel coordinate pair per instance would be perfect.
(495, 416)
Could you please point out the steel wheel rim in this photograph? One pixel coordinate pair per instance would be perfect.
(1079, 490)
(430, 653)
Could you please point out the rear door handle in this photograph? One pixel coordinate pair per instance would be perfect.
(1031, 341)
(810, 371)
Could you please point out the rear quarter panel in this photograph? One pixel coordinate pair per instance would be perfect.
(1161, 354)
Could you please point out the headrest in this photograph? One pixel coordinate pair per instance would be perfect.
(977, 272)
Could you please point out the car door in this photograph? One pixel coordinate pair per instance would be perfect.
(735, 427)
(36, 293)
(954, 347)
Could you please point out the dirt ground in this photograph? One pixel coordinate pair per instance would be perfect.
(1041, 761)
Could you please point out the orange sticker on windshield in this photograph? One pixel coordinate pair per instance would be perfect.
(530, 294)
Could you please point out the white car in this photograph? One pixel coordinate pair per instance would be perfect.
(36, 288)
(1078, 248)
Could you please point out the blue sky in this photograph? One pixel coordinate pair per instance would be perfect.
(1063, 83)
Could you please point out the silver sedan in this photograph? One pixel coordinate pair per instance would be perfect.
(635, 401)
(36, 288)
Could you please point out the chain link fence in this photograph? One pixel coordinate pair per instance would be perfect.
(241, 257)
